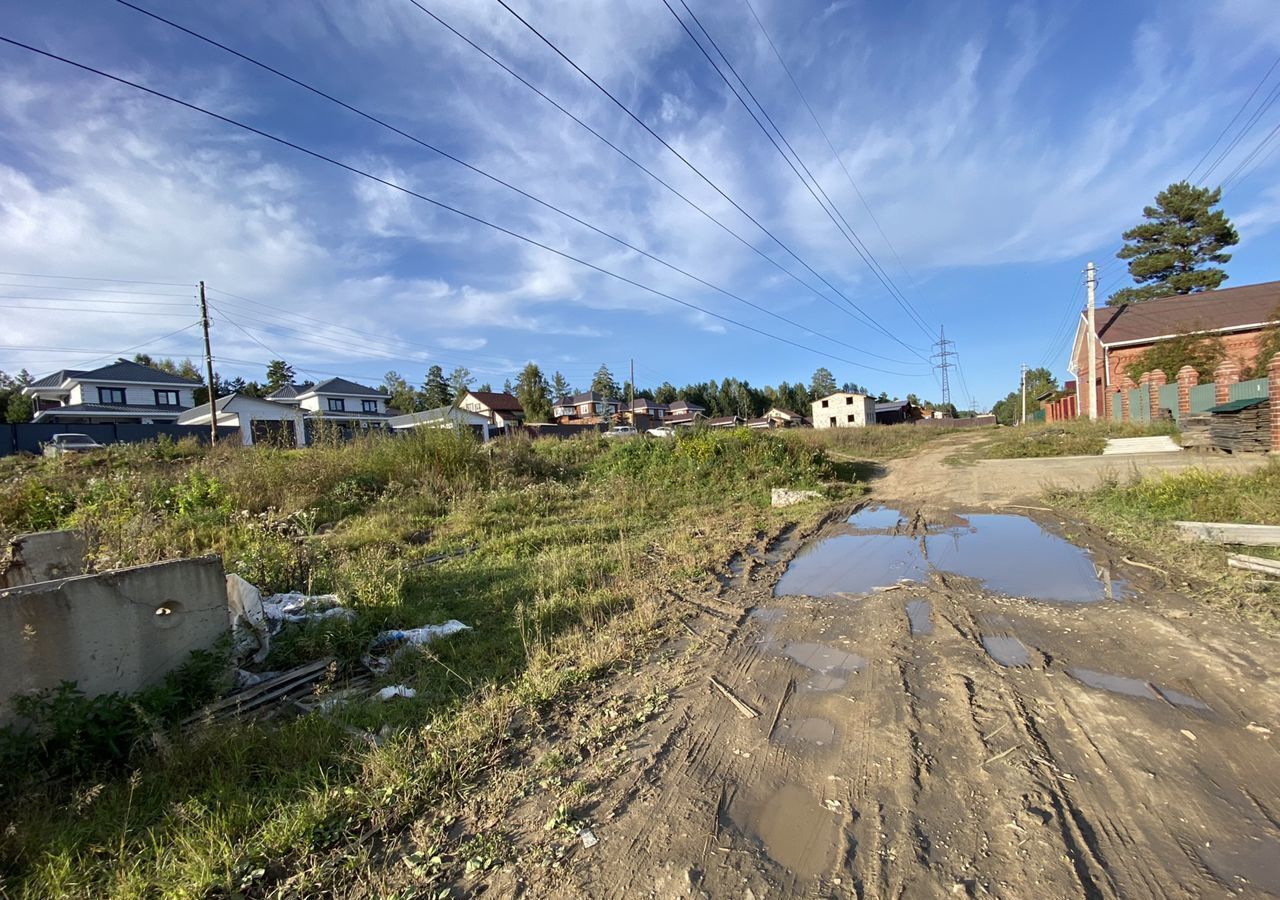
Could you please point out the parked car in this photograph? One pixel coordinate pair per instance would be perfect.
(621, 431)
(70, 443)
(661, 431)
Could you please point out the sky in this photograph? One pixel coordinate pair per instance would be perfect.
(966, 161)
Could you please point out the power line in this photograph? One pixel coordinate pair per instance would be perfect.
(117, 353)
(437, 203)
(622, 106)
(64, 287)
(89, 278)
(1239, 112)
(491, 177)
(1258, 113)
(846, 230)
(1256, 150)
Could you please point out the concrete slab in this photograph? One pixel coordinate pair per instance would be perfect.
(43, 556)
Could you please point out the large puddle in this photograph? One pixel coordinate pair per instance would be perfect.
(1008, 554)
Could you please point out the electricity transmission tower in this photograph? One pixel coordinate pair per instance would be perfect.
(943, 357)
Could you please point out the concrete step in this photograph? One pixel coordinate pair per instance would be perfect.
(1158, 444)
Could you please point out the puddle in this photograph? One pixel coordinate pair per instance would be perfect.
(831, 666)
(1008, 651)
(852, 564)
(919, 617)
(817, 731)
(1117, 684)
(738, 565)
(780, 546)
(1177, 698)
(766, 614)
(879, 518)
(1008, 554)
(794, 828)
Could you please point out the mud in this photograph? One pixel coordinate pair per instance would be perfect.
(1025, 748)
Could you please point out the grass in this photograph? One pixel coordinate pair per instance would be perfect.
(1141, 514)
(879, 442)
(1078, 437)
(575, 542)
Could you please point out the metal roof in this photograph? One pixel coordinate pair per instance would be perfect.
(1237, 405)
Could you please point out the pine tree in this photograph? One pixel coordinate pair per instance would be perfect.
(534, 393)
(435, 390)
(460, 379)
(402, 396)
(604, 383)
(666, 393)
(279, 373)
(1170, 253)
(823, 383)
(560, 387)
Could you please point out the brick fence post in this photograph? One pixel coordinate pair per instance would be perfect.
(1126, 385)
(1227, 374)
(1155, 381)
(1187, 379)
(1273, 393)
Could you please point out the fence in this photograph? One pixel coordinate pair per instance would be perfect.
(31, 437)
(1168, 400)
(1248, 390)
(1203, 398)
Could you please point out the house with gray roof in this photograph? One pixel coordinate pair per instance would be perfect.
(123, 392)
(338, 403)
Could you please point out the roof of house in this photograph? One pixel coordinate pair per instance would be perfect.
(1250, 304)
(498, 402)
(783, 412)
(56, 379)
(724, 420)
(287, 392)
(645, 403)
(440, 413)
(892, 405)
(682, 418)
(120, 370)
(685, 405)
(338, 386)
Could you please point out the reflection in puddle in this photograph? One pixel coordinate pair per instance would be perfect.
(817, 731)
(853, 564)
(1008, 651)
(918, 617)
(1118, 684)
(831, 666)
(796, 831)
(878, 518)
(1177, 698)
(1009, 554)
(1246, 861)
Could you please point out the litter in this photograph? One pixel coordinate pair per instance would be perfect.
(296, 607)
(418, 636)
(589, 839)
(251, 636)
(396, 690)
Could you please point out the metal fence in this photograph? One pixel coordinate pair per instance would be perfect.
(1117, 410)
(1249, 390)
(1168, 399)
(32, 436)
(1203, 398)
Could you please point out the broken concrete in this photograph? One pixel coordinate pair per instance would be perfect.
(119, 631)
(42, 556)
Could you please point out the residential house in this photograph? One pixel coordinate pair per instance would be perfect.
(588, 406)
(450, 417)
(784, 418)
(122, 392)
(844, 410)
(724, 422)
(1239, 317)
(895, 412)
(683, 413)
(260, 421)
(501, 410)
(339, 404)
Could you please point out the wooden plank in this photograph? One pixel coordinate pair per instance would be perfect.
(1254, 564)
(1230, 533)
(747, 711)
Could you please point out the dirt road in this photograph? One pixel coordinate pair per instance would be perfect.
(952, 735)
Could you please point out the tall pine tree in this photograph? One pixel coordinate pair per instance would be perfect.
(1179, 246)
(435, 390)
(534, 393)
(605, 384)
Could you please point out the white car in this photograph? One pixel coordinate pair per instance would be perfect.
(661, 431)
(60, 444)
(621, 431)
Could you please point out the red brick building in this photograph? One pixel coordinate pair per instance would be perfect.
(1238, 316)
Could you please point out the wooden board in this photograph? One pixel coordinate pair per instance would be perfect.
(1254, 564)
(1230, 533)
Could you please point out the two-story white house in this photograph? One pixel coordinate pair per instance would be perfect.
(337, 403)
(123, 392)
(844, 410)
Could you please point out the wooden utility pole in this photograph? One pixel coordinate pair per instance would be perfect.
(208, 364)
(1024, 393)
(1091, 281)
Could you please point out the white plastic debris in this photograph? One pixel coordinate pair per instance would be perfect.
(589, 839)
(396, 690)
(424, 635)
(251, 636)
(297, 607)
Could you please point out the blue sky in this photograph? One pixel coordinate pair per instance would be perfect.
(999, 146)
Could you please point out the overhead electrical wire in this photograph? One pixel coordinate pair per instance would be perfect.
(434, 202)
(90, 278)
(807, 179)
(1239, 112)
(497, 180)
(1258, 113)
(622, 106)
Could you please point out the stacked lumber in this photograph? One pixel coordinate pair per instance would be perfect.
(1195, 431)
(266, 697)
(1242, 431)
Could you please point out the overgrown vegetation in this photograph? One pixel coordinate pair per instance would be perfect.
(574, 542)
(1078, 437)
(878, 443)
(1141, 513)
(1201, 353)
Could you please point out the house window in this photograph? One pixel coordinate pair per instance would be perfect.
(825, 404)
(850, 418)
(112, 396)
(166, 398)
(337, 404)
(848, 400)
(369, 405)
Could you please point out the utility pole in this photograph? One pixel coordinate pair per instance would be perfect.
(1091, 280)
(942, 356)
(631, 398)
(1024, 393)
(208, 363)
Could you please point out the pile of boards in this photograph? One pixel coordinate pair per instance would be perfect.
(1241, 426)
(1195, 431)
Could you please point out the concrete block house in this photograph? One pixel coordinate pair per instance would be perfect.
(844, 410)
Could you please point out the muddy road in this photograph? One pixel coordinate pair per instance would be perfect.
(949, 701)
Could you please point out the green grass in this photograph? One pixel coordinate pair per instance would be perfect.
(1079, 437)
(880, 442)
(575, 541)
(1140, 514)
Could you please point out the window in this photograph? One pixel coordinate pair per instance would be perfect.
(848, 400)
(166, 398)
(112, 396)
(850, 418)
(337, 404)
(825, 404)
(369, 405)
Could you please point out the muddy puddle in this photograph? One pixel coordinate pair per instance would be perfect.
(919, 617)
(1137, 687)
(1008, 554)
(1008, 651)
(830, 666)
(794, 829)
(815, 730)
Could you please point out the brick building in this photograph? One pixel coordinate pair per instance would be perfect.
(1239, 316)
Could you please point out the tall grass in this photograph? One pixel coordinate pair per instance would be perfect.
(1078, 437)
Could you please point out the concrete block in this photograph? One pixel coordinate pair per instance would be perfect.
(42, 556)
(789, 497)
(118, 631)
